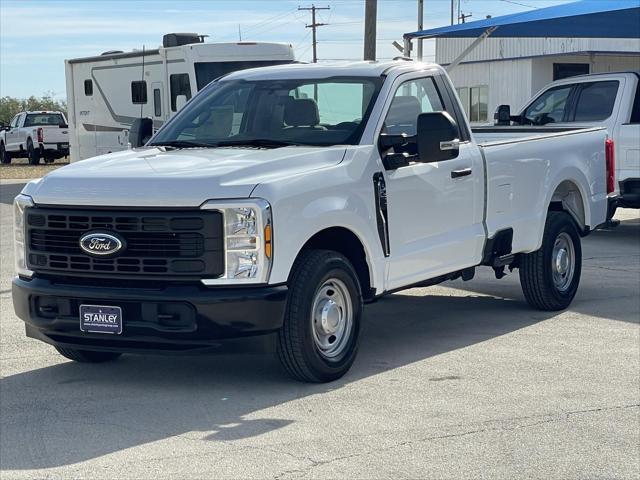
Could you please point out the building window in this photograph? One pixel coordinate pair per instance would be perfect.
(479, 104)
(463, 93)
(566, 70)
(88, 87)
(179, 85)
(139, 92)
(157, 102)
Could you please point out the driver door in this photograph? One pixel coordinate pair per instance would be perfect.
(434, 213)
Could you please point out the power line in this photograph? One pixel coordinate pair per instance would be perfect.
(518, 3)
(313, 26)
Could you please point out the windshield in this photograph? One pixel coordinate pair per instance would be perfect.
(274, 113)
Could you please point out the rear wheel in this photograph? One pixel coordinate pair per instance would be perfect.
(551, 275)
(87, 356)
(33, 154)
(5, 158)
(319, 339)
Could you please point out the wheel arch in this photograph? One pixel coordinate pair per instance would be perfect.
(347, 243)
(569, 197)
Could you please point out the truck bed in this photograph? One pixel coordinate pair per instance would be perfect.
(525, 167)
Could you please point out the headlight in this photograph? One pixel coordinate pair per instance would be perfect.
(248, 245)
(20, 204)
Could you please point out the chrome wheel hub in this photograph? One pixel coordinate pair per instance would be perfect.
(563, 260)
(332, 318)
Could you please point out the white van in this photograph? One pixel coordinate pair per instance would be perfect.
(105, 93)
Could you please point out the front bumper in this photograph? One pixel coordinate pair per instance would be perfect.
(163, 319)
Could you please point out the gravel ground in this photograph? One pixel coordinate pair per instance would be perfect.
(20, 168)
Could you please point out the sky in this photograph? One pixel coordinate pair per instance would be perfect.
(36, 36)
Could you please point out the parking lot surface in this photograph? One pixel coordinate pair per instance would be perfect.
(461, 380)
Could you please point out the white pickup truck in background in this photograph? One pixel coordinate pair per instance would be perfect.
(35, 136)
(280, 199)
(611, 100)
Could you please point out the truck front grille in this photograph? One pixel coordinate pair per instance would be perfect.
(175, 244)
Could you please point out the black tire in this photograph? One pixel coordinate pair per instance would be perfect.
(5, 157)
(87, 356)
(297, 348)
(33, 154)
(537, 268)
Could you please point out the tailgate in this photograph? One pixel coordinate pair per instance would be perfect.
(55, 134)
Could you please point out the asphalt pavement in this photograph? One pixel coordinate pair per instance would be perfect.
(460, 380)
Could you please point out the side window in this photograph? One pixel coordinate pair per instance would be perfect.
(88, 87)
(635, 114)
(157, 102)
(139, 92)
(549, 107)
(14, 121)
(179, 85)
(412, 98)
(595, 101)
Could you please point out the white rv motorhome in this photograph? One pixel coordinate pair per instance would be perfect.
(105, 93)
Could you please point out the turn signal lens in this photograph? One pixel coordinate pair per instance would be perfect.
(267, 241)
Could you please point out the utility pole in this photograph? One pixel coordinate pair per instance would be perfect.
(370, 19)
(420, 26)
(464, 16)
(313, 26)
(452, 10)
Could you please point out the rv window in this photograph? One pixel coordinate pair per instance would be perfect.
(139, 92)
(635, 114)
(206, 72)
(179, 85)
(157, 99)
(88, 87)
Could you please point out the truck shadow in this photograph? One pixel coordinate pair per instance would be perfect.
(610, 276)
(69, 413)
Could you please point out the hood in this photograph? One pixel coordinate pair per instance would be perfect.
(177, 178)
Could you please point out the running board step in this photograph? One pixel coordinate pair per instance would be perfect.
(503, 261)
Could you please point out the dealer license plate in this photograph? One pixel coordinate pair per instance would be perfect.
(100, 319)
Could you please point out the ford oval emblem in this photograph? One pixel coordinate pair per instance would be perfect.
(101, 243)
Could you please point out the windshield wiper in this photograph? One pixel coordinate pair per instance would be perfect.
(182, 144)
(256, 142)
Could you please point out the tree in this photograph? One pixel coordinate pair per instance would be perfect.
(10, 106)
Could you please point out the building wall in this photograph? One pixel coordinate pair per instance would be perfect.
(509, 81)
(448, 49)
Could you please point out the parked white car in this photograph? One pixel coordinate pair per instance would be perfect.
(35, 135)
(280, 199)
(611, 100)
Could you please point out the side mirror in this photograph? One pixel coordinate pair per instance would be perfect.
(141, 131)
(181, 101)
(503, 115)
(438, 137)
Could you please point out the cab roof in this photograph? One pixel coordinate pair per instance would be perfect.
(329, 69)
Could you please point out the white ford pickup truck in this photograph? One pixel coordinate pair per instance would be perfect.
(35, 135)
(281, 199)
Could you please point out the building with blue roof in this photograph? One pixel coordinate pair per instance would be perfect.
(507, 59)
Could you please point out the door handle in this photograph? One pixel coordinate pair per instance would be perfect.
(461, 173)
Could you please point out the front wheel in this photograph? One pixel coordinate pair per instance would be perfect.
(319, 339)
(550, 276)
(87, 356)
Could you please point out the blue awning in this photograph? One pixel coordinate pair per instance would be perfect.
(586, 18)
